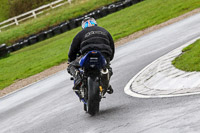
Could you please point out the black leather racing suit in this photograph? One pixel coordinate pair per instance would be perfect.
(90, 38)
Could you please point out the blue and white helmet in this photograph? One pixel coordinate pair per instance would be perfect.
(88, 22)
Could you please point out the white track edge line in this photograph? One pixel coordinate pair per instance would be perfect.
(129, 92)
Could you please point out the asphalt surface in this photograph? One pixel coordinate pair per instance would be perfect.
(50, 106)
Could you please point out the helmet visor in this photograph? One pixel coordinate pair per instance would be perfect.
(89, 23)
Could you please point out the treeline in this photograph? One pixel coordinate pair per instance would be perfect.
(18, 7)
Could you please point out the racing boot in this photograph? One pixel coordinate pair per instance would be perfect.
(76, 75)
(110, 90)
(105, 76)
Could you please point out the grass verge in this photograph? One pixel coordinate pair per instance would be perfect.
(43, 55)
(189, 60)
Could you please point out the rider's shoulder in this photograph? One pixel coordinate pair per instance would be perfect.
(92, 29)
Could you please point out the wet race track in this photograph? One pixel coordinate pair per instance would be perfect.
(50, 106)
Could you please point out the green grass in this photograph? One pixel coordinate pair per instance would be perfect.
(189, 60)
(50, 18)
(146, 14)
(34, 59)
(4, 10)
(43, 55)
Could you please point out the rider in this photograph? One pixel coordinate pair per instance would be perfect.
(92, 37)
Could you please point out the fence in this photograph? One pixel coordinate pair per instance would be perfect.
(32, 14)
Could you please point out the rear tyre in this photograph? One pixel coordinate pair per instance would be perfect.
(85, 107)
(93, 96)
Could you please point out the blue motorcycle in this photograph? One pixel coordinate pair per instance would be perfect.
(92, 90)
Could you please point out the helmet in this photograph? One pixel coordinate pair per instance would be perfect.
(88, 22)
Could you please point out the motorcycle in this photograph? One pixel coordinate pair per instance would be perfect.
(93, 86)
